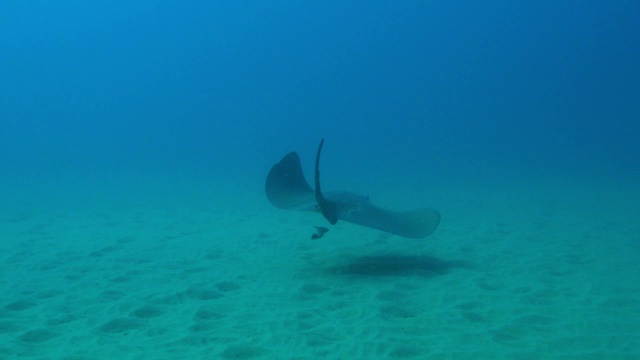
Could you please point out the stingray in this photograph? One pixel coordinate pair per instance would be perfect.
(287, 188)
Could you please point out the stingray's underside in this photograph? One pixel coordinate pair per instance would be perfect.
(286, 188)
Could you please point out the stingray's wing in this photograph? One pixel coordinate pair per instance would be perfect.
(416, 223)
(286, 187)
(356, 209)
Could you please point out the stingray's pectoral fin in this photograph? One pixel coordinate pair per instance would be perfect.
(416, 223)
(286, 186)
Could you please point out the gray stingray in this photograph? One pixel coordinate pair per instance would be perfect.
(287, 188)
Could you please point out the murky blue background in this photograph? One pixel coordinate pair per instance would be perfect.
(223, 89)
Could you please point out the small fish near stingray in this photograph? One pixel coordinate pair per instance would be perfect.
(287, 188)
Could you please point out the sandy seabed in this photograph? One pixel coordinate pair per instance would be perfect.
(510, 274)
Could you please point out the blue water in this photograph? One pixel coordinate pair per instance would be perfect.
(103, 85)
(103, 100)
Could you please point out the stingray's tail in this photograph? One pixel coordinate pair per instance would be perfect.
(327, 208)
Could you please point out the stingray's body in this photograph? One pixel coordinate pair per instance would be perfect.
(287, 188)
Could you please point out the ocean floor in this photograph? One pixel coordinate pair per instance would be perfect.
(520, 272)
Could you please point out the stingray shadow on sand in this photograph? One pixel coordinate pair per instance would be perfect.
(398, 265)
